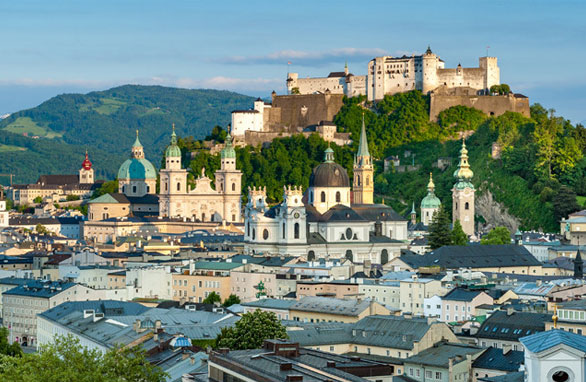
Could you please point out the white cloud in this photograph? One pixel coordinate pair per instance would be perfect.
(304, 58)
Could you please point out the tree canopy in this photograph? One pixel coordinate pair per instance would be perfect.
(459, 237)
(7, 348)
(498, 235)
(251, 331)
(212, 298)
(231, 300)
(66, 360)
(439, 233)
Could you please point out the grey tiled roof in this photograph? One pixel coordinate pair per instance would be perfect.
(270, 303)
(494, 359)
(546, 340)
(440, 354)
(331, 305)
(510, 327)
(518, 376)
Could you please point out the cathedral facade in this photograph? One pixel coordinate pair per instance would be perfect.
(330, 219)
(204, 202)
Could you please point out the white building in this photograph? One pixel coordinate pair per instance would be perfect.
(414, 291)
(3, 212)
(21, 305)
(432, 306)
(336, 83)
(325, 222)
(249, 120)
(149, 282)
(386, 293)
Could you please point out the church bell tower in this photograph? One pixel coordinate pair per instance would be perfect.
(363, 184)
(463, 194)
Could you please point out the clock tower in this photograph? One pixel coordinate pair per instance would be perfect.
(463, 194)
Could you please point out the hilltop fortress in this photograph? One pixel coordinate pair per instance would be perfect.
(312, 103)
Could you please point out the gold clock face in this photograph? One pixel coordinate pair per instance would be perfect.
(296, 215)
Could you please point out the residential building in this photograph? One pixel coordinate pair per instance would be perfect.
(20, 305)
(150, 281)
(432, 306)
(444, 361)
(327, 309)
(503, 329)
(273, 305)
(286, 361)
(333, 288)
(197, 285)
(251, 286)
(414, 290)
(571, 317)
(389, 336)
(495, 362)
(385, 292)
(460, 304)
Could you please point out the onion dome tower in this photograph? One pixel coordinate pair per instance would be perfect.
(86, 172)
(430, 203)
(137, 176)
(463, 193)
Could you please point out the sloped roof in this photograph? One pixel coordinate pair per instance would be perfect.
(440, 354)
(494, 359)
(481, 256)
(461, 294)
(115, 198)
(511, 326)
(270, 303)
(546, 340)
(331, 305)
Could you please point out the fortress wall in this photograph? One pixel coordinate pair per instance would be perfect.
(320, 84)
(308, 109)
(490, 105)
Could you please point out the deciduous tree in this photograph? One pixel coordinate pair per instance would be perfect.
(498, 235)
(251, 331)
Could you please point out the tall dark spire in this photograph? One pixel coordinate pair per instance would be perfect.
(578, 265)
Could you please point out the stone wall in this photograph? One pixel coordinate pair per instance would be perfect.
(300, 111)
(491, 105)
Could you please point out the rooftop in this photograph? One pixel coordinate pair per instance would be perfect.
(440, 354)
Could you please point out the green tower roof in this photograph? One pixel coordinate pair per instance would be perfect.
(228, 150)
(173, 151)
(363, 146)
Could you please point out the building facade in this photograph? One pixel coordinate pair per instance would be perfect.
(203, 202)
(463, 194)
(336, 82)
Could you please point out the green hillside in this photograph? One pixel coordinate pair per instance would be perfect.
(53, 137)
(542, 160)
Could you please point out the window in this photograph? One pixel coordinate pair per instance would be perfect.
(283, 230)
(438, 375)
(311, 197)
(265, 234)
(134, 189)
(253, 234)
(233, 186)
(358, 180)
(428, 374)
(338, 197)
(323, 197)
(467, 206)
(367, 180)
(178, 186)
(296, 231)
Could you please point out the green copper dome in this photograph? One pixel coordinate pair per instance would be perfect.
(173, 150)
(430, 200)
(135, 168)
(228, 151)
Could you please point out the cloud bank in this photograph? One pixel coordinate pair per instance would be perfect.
(305, 58)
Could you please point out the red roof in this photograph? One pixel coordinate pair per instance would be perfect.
(87, 165)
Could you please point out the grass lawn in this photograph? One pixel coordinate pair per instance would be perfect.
(9, 148)
(109, 106)
(26, 125)
(581, 200)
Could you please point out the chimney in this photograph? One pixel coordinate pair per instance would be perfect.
(510, 311)
(136, 326)
(88, 313)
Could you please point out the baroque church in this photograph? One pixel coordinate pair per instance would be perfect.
(203, 202)
(330, 220)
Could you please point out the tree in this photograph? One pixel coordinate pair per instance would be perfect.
(212, 298)
(498, 235)
(459, 237)
(231, 300)
(38, 200)
(66, 360)
(295, 90)
(251, 331)
(109, 187)
(71, 198)
(439, 230)
(6, 348)
(564, 203)
(41, 229)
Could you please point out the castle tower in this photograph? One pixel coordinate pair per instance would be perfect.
(492, 72)
(86, 172)
(363, 184)
(228, 182)
(429, 67)
(463, 194)
(293, 226)
(430, 204)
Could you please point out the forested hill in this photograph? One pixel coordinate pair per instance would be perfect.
(540, 177)
(52, 137)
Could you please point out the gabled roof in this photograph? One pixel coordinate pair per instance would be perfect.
(481, 256)
(441, 353)
(116, 198)
(331, 306)
(461, 294)
(494, 359)
(546, 340)
(511, 326)
(270, 303)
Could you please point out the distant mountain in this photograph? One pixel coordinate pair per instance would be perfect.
(53, 137)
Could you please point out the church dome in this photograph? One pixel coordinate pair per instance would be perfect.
(137, 168)
(86, 164)
(173, 151)
(228, 150)
(430, 201)
(329, 173)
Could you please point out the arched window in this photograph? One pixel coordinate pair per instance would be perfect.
(358, 180)
(265, 234)
(221, 186)
(323, 197)
(467, 206)
(310, 256)
(283, 230)
(148, 189)
(338, 197)
(311, 197)
(253, 234)
(296, 231)
(233, 186)
(203, 216)
(248, 229)
(134, 189)
(123, 189)
(349, 255)
(384, 257)
(367, 180)
(178, 186)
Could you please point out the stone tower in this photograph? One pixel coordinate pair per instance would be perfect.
(86, 172)
(228, 182)
(578, 265)
(173, 182)
(363, 185)
(293, 218)
(429, 67)
(463, 194)
(430, 204)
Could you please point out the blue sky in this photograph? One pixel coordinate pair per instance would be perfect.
(52, 47)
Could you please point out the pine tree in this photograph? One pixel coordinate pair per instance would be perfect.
(459, 237)
(439, 230)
